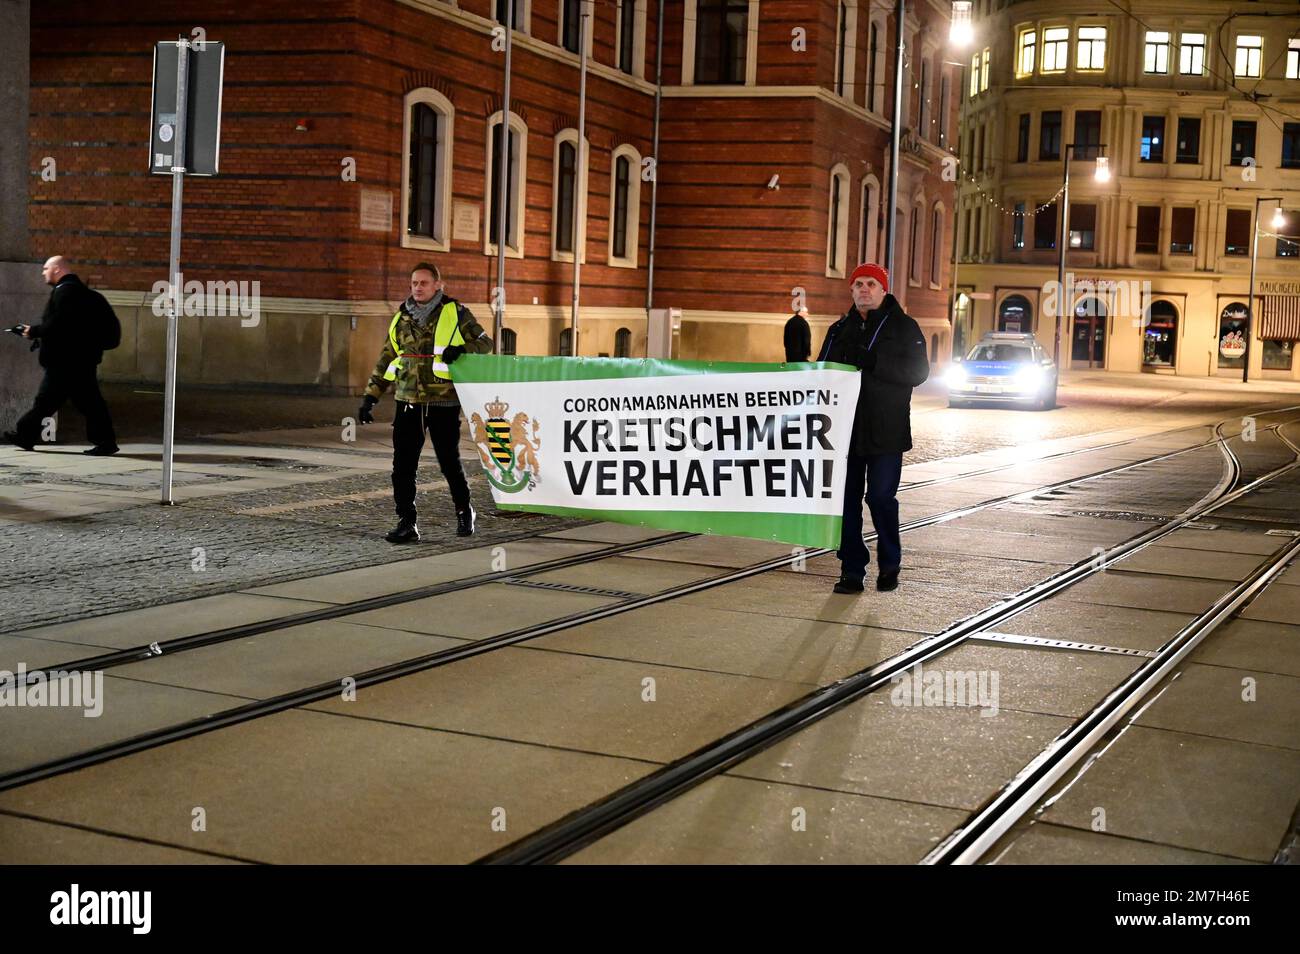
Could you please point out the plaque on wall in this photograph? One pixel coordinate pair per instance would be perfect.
(465, 224)
(376, 210)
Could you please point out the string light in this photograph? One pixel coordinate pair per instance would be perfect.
(1002, 208)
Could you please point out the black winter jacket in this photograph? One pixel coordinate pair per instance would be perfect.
(891, 367)
(69, 330)
(798, 339)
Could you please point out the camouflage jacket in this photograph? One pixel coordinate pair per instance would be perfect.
(416, 382)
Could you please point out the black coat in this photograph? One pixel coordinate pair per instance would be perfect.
(896, 363)
(798, 339)
(70, 332)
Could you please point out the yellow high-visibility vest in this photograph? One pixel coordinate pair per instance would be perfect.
(445, 333)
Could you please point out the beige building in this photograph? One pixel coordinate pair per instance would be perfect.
(1194, 107)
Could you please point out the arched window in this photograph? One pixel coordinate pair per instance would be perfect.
(837, 223)
(623, 343)
(1089, 341)
(936, 244)
(569, 197)
(870, 226)
(426, 174)
(1016, 314)
(625, 207)
(516, 163)
(509, 341)
(914, 246)
(1160, 335)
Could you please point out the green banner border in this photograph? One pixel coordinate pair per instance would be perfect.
(797, 529)
(497, 368)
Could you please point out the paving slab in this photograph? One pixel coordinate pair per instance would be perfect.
(772, 647)
(349, 586)
(34, 735)
(1045, 844)
(575, 702)
(42, 653)
(1196, 564)
(30, 841)
(998, 543)
(484, 610)
(271, 664)
(913, 607)
(634, 576)
(1222, 540)
(1095, 529)
(1121, 626)
(170, 620)
(950, 756)
(1031, 679)
(378, 793)
(1208, 700)
(731, 552)
(607, 532)
(730, 821)
(1145, 591)
(1277, 604)
(1189, 791)
(1253, 645)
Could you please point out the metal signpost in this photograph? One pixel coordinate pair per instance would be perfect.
(185, 126)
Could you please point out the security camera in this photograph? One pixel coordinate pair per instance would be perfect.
(774, 182)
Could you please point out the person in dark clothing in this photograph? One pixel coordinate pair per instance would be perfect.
(888, 347)
(428, 333)
(798, 337)
(78, 323)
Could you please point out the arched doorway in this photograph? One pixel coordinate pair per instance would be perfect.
(1088, 343)
(1160, 335)
(1016, 314)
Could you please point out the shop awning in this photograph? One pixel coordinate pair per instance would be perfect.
(1279, 318)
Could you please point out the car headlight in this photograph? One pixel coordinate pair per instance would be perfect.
(1029, 378)
(955, 377)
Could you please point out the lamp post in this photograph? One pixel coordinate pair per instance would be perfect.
(960, 34)
(1278, 221)
(891, 223)
(1102, 174)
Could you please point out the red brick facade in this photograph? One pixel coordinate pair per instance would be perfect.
(280, 211)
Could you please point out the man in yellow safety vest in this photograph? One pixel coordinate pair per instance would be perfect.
(429, 332)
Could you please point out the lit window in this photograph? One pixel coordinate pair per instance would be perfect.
(1156, 57)
(1025, 54)
(1056, 49)
(1249, 51)
(974, 74)
(1191, 54)
(1293, 59)
(1092, 48)
(984, 70)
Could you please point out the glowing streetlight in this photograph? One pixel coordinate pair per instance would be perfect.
(1103, 169)
(961, 32)
(1279, 220)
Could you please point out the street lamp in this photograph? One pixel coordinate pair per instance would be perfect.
(1279, 220)
(960, 30)
(1101, 173)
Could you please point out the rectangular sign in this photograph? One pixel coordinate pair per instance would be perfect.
(203, 116)
(746, 450)
(376, 210)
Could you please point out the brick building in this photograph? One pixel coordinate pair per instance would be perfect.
(771, 174)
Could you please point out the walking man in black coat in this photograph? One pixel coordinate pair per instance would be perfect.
(888, 347)
(798, 337)
(78, 324)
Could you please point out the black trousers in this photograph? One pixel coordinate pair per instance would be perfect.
(443, 425)
(879, 475)
(60, 385)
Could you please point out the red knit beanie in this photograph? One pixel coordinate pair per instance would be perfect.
(871, 270)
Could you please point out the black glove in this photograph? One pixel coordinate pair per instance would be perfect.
(866, 360)
(363, 413)
(451, 353)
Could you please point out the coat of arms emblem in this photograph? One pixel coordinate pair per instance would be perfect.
(507, 448)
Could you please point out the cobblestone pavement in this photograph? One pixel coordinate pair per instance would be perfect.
(316, 516)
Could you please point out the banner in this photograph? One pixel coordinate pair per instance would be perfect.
(744, 450)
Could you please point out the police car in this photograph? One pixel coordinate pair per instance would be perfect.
(1006, 368)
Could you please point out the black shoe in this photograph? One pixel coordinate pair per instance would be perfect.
(405, 532)
(848, 584)
(11, 437)
(465, 522)
(887, 581)
(102, 451)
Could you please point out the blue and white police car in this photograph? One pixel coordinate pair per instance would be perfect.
(1005, 368)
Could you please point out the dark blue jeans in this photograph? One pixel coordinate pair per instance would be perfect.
(878, 475)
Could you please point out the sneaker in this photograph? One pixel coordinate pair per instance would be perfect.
(465, 522)
(887, 581)
(11, 437)
(102, 451)
(405, 532)
(848, 584)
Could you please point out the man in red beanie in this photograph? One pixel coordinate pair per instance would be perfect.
(888, 347)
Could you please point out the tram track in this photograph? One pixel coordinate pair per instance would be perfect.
(330, 689)
(572, 833)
